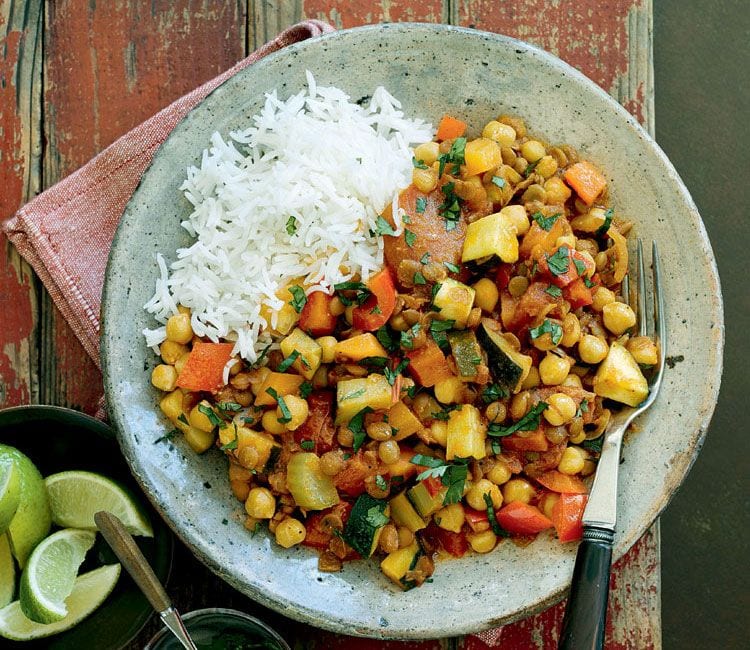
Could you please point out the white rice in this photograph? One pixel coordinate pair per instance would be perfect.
(331, 164)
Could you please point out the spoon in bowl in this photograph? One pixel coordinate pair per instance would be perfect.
(125, 548)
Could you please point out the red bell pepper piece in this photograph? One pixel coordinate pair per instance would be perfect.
(522, 519)
(567, 516)
(317, 535)
(574, 259)
(559, 482)
(533, 301)
(428, 365)
(204, 368)
(503, 276)
(378, 308)
(433, 485)
(526, 440)
(577, 294)
(477, 520)
(454, 543)
(316, 318)
(319, 426)
(351, 479)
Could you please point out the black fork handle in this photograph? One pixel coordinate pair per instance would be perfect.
(586, 611)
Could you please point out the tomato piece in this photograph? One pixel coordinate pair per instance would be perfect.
(533, 301)
(316, 318)
(567, 516)
(577, 294)
(378, 308)
(503, 275)
(450, 127)
(351, 479)
(522, 519)
(526, 440)
(433, 485)
(317, 536)
(559, 482)
(319, 425)
(477, 520)
(428, 365)
(204, 369)
(578, 266)
(455, 544)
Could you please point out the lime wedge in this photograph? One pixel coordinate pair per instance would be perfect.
(89, 591)
(32, 520)
(75, 497)
(10, 493)
(50, 574)
(7, 572)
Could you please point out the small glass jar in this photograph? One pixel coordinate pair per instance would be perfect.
(221, 629)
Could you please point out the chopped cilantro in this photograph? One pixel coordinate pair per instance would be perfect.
(287, 363)
(307, 445)
(391, 375)
(419, 164)
(291, 225)
(214, 419)
(305, 389)
(455, 156)
(410, 237)
(407, 337)
(529, 422)
(496, 527)
(373, 362)
(594, 445)
(350, 286)
(607, 222)
(493, 392)
(299, 298)
(229, 407)
(425, 258)
(232, 444)
(553, 291)
(167, 437)
(450, 209)
(453, 268)
(588, 283)
(441, 325)
(580, 266)
(560, 261)
(530, 168)
(382, 227)
(453, 475)
(381, 483)
(421, 205)
(286, 416)
(375, 516)
(357, 427)
(386, 339)
(376, 310)
(545, 223)
(182, 418)
(419, 278)
(500, 182)
(548, 327)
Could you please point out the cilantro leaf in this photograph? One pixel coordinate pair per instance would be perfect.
(450, 209)
(560, 261)
(286, 416)
(287, 363)
(529, 422)
(410, 237)
(607, 222)
(594, 445)
(407, 337)
(214, 419)
(375, 516)
(167, 437)
(232, 444)
(425, 258)
(291, 225)
(305, 389)
(453, 268)
(421, 205)
(419, 164)
(493, 392)
(545, 223)
(307, 445)
(500, 182)
(373, 362)
(441, 325)
(299, 298)
(553, 291)
(385, 338)
(419, 278)
(580, 266)
(492, 518)
(391, 375)
(548, 327)
(426, 461)
(357, 427)
(382, 227)
(381, 483)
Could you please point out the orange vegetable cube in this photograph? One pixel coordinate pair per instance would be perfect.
(481, 155)
(204, 368)
(450, 128)
(586, 180)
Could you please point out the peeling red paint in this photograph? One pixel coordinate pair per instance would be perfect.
(344, 14)
(11, 156)
(329, 641)
(635, 104)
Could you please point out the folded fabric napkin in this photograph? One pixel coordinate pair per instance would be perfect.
(66, 232)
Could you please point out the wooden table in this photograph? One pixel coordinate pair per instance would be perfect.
(75, 75)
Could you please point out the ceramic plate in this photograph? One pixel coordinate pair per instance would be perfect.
(58, 439)
(432, 69)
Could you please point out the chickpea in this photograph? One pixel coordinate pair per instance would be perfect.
(425, 180)
(327, 345)
(298, 411)
(533, 150)
(405, 537)
(553, 369)
(557, 191)
(179, 329)
(520, 165)
(164, 377)
(547, 503)
(337, 307)
(516, 122)
(290, 532)
(643, 350)
(601, 261)
(589, 467)
(389, 452)
(532, 379)
(520, 405)
(424, 406)
(427, 152)
(546, 166)
(573, 380)
(379, 431)
(170, 351)
(248, 457)
(495, 412)
(270, 422)
(240, 490)
(503, 134)
(518, 489)
(344, 436)
(451, 517)
(592, 349)
(500, 473)
(571, 330)
(171, 404)
(331, 463)
(486, 294)
(180, 363)
(534, 193)
(561, 409)
(398, 323)
(482, 542)
(518, 285)
(556, 435)
(618, 317)
(601, 297)
(572, 461)
(388, 539)
(260, 503)
(320, 378)
(475, 496)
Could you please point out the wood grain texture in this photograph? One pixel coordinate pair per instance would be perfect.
(109, 66)
(20, 178)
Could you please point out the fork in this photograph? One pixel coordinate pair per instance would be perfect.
(586, 612)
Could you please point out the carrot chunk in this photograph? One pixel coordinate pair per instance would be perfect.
(450, 128)
(586, 180)
(204, 368)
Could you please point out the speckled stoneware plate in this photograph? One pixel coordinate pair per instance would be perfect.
(432, 69)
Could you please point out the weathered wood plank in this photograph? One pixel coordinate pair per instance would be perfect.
(109, 66)
(20, 147)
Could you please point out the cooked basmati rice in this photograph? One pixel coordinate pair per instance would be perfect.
(328, 162)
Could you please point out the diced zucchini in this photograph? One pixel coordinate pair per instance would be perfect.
(310, 487)
(309, 352)
(466, 434)
(397, 564)
(424, 502)
(491, 235)
(358, 347)
(454, 300)
(619, 377)
(263, 443)
(401, 418)
(365, 523)
(466, 353)
(508, 366)
(404, 514)
(352, 395)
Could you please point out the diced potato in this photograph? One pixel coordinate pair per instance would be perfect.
(619, 377)
(494, 234)
(263, 443)
(400, 417)
(311, 488)
(358, 347)
(310, 353)
(454, 300)
(396, 564)
(481, 155)
(283, 383)
(198, 440)
(352, 395)
(466, 433)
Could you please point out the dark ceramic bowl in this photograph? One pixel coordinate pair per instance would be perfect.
(58, 439)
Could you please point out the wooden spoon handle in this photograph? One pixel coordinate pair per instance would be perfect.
(125, 548)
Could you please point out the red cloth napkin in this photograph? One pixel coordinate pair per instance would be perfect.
(66, 232)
